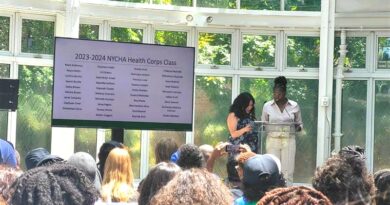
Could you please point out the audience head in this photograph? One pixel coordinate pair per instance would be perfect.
(382, 183)
(260, 173)
(8, 175)
(59, 183)
(193, 186)
(118, 178)
(164, 149)
(240, 106)
(158, 177)
(40, 157)
(206, 150)
(87, 164)
(7, 153)
(190, 157)
(344, 178)
(297, 195)
(103, 153)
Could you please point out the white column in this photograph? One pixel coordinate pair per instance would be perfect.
(325, 80)
(62, 139)
(339, 90)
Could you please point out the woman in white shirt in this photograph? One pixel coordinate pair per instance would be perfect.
(280, 142)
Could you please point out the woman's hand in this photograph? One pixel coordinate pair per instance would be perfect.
(247, 128)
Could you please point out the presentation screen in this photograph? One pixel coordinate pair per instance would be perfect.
(122, 85)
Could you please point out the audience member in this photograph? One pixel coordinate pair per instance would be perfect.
(8, 175)
(344, 178)
(59, 183)
(7, 153)
(87, 164)
(164, 149)
(382, 183)
(296, 195)
(259, 173)
(193, 186)
(207, 151)
(103, 153)
(211, 154)
(118, 178)
(158, 177)
(190, 157)
(40, 157)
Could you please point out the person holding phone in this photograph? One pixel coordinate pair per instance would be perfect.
(240, 122)
(282, 110)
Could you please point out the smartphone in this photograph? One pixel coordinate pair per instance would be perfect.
(232, 148)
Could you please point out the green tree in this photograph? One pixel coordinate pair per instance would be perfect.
(303, 51)
(356, 55)
(87, 31)
(260, 4)
(4, 33)
(126, 34)
(258, 50)
(173, 38)
(214, 48)
(37, 36)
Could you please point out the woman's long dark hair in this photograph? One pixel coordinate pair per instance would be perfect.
(239, 105)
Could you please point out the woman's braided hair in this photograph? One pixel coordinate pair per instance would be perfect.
(296, 195)
(59, 184)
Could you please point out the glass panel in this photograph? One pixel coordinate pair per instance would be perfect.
(4, 73)
(356, 55)
(155, 136)
(303, 5)
(4, 33)
(34, 111)
(384, 52)
(174, 2)
(227, 4)
(258, 50)
(37, 36)
(134, 1)
(381, 126)
(172, 38)
(132, 35)
(132, 139)
(305, 93)
(260, 4)
(213, 96)
(85, 140)
(214, 48)
(354, 109)
(303, 52)
(87, 31)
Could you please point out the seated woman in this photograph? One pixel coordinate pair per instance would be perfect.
(117, 183)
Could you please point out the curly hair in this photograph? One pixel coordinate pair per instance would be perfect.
(344, 178)
(193, 186)
(158, 177)
(8, 175)
(164, 149)
(239, 105)
(60, 184)
(382, 183)
(280, 82)
(117, 183)
(190, 157)
(297, 195)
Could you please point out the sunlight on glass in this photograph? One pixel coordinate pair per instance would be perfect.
(171, 38)
(132, 35)
(214, 48)
(303, 5)
(226, 4)
(132, 139)
(260, 4)
(174, 2)
(85, 140)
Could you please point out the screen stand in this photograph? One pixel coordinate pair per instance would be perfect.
(117, 134)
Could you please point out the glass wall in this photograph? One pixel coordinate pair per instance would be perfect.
(305, 93)
(303, 51)
(87, 31)
(37, 36)
(383, 53)
(33, 128)
(4, 33)
(131, 35)
(258, 50)
(356, 55)
(213, 96)
(132, 139)
(381, 125)
(4, 73)
(214, 48)
(171, 38)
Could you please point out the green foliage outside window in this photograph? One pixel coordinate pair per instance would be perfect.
(305, 93)
(383, 53)
(34, 110)
(214, 48)
(303, 5)
(87, 31)
(85, 140)
(303, 51)
(260, 4)
(226, 4)
(4, 73)
(356, 55)
(134, 1)
(174, 2)
(172, 38)
(37, 36)
(132, 139)
(258, 50)
(4, 33)
(132, 35)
